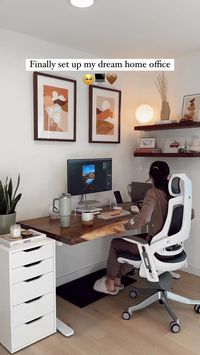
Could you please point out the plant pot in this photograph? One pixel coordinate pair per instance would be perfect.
(6, 220)
(165, 111)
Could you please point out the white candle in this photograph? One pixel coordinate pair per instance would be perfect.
(15, 231)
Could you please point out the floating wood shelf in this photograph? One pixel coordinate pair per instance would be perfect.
(180, 155)
(156, 127)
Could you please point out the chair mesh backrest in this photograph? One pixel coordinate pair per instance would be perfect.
(176, 221)
(177, 214)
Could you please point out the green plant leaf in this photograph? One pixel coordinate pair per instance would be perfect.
(2, 200)
(10, 188)
(7, 201)
(14, 202)
(18, 181)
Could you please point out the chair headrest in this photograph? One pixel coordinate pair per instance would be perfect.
(176, 183)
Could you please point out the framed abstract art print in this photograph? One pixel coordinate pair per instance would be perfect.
(104, 115)
(54, 108)
(191, 107)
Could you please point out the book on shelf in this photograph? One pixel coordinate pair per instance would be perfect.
(148, 150)
(166, 121)
(33, 236)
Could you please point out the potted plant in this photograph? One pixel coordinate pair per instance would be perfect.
(8, 202)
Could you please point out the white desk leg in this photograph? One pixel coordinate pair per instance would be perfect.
(64, 328)
(60, 325)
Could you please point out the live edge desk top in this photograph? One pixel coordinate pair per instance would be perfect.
(76, 233)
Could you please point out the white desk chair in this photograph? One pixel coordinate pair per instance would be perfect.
(165, 253)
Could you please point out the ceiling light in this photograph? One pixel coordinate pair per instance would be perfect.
(82, 3)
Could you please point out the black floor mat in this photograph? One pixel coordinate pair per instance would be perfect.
(80, 291)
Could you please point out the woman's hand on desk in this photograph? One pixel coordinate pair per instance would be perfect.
(118, 227)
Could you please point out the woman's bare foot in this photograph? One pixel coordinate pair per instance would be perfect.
(110, 285)
(117, 282)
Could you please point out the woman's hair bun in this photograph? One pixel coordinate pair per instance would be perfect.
(159, 171)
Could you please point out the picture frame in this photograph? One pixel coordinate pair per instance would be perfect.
(147, 142)
(173, 144)
(191, 108)
(104, 115)
(54, 108)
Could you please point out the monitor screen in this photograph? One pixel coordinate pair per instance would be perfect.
(86, 176)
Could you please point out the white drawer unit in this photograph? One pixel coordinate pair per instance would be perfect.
(33, 331)
(33, 309)
(32, 270)
(31, 255)
(32, 288)
(27, 296)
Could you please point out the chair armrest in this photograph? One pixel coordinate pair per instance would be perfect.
(147, 268)
(136, 240)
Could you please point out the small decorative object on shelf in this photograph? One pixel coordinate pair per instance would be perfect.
(172, 145)
(191, 108)
(184, 149)
(147, 142)
(161, 85)
(195, 147)
(147, 145)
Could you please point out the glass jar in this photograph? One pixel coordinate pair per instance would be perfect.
(15, 230)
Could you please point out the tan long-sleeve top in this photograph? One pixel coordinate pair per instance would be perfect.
(153, 213)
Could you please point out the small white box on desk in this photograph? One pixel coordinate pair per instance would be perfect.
(27, 297)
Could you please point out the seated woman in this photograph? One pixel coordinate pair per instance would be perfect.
(153, 213)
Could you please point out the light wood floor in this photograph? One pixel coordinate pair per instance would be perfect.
(99, 328)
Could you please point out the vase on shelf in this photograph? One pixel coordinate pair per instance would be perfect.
(165, 111)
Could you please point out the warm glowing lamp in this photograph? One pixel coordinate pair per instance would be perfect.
(82, 3)
(144, 113)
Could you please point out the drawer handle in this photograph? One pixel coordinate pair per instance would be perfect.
(33, 278)
(32, 264)
(34, 320)
(32, 249)
(34, 299)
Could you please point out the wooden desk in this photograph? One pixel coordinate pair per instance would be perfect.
(76, 233)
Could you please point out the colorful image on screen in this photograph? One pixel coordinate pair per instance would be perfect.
(88, 174)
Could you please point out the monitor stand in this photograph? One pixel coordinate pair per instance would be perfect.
(84, 202)
(88, 202)
(88, 206)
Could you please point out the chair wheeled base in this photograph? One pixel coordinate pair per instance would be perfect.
(163, 297)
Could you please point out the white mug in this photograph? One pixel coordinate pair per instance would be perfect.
(87, 218)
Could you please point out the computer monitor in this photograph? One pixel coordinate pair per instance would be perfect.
(85, 176)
